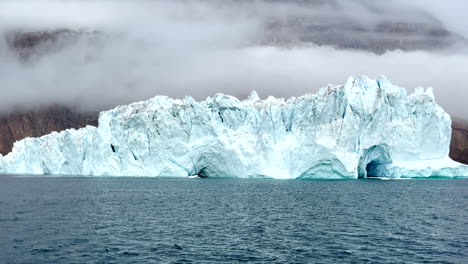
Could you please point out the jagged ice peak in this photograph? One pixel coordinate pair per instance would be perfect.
(361, 129)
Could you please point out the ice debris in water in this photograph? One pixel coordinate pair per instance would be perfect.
(363, 128)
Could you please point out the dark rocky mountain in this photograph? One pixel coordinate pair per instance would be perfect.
(459, 144)
(339, 32)
(23, 124)
(347, 34)
(359, 25)
(31, 45)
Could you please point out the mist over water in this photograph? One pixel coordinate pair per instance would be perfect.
(129, 51)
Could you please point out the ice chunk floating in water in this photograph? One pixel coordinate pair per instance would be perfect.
(363, 128)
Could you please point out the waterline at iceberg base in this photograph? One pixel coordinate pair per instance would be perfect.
(361, 129)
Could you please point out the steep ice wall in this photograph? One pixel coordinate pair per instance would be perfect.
(364, 128)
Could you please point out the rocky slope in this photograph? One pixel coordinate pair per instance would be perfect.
(459, 144)
(22, 124)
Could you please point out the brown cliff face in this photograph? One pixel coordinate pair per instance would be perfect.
(459, 144)
(20, 125)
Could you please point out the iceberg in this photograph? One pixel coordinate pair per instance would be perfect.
(365, 128)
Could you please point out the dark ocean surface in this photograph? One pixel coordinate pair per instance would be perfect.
(147, 220)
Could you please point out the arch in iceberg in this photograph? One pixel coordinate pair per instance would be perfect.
(372, 158)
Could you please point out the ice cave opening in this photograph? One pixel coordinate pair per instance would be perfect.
(203, 173)
(371, 159)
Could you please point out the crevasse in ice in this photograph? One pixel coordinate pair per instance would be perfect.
(361, 129)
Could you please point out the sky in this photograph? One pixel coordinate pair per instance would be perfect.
(199, 48)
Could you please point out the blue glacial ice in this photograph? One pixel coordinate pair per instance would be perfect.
(363, 128)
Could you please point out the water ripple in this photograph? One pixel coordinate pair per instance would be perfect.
(139, 220)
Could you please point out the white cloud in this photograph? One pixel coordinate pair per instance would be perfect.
(153, 48)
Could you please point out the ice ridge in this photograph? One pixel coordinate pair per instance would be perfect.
(365, 128)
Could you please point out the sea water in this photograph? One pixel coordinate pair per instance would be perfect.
(148, 220)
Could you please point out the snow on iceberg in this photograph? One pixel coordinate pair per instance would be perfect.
(361, 129)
